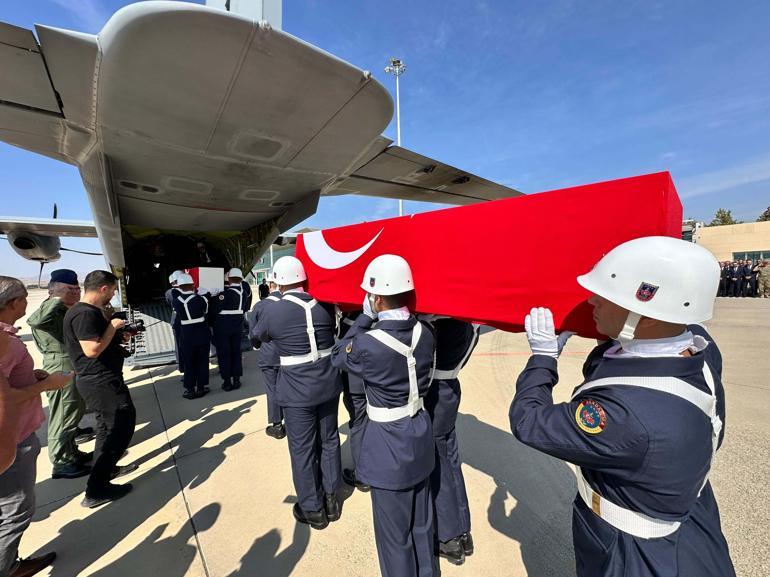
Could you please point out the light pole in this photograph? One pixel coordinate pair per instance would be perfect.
(397, 68)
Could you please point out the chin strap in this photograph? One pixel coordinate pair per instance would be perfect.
(627, 334)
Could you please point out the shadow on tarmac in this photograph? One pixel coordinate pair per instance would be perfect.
(82, 542)
(540, 487)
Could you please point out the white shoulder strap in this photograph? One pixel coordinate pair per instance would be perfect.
(272, 298)
(308, 306)
(707, 403)
(408, 351)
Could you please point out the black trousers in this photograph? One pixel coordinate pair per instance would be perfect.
(115, 423)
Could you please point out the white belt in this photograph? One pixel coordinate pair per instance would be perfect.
(193, 321)
(231, 312)
(631, 522)
(445, 375)
(302, 359)
(388, 415)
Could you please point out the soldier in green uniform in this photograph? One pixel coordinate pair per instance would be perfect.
(66, 406)
(763, 280)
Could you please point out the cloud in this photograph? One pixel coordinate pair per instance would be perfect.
(755, 170)
(89, 14)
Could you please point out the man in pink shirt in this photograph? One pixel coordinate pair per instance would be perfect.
(17, 483)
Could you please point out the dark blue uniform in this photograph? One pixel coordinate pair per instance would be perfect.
(170, 296)
(645, 451)
(308, 391)
(191, 316)
(455, 340)
(353, 396)
(268, 359)
(396, 456)
(227, 309)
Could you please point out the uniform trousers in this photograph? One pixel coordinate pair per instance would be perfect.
(177, 346)
(17, 501)
(274, 411)
(65, 409)
(314, 448)
(115, 423)
(194, 355)
(403, 531)
(354, 400)
(450, 498)
(227, 340)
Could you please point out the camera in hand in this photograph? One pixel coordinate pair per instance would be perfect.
(130, 328)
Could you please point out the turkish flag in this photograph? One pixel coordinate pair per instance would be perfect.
(492, 262)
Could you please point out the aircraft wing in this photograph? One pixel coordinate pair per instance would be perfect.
(395, 172)
(48, 226)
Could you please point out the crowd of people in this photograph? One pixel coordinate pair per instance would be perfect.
(643, 427)
(744, 278)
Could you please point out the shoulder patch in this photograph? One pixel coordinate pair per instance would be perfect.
(349, 348)
(221, 297)
(590, 416)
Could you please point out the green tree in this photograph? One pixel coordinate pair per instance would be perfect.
(764, 216)
(723, 217)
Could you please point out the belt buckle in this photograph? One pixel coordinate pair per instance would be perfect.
(596, 503)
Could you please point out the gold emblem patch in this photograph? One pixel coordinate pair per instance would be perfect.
(349, 348)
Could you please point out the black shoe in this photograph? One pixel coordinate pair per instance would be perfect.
(349, 476)
(202, 392)
(112, 493)
(70, 471)
(236, 383)
(316, 519)
(277, 431)
(332, 507)
(84, 457)
(226, 385)
(467, 544)
(189, 394)
(84, 435)
(452, 551)
(122, 470)
(33, 565)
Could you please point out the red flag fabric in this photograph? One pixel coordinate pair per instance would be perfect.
(492, 262)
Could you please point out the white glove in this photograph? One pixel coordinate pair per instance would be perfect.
(541, 333)
(201, 291)
(368, 309)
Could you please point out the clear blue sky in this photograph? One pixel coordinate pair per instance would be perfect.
(535, 95)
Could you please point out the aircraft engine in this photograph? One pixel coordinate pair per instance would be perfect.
(37, 247)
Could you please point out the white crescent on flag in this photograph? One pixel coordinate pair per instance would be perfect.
(326, 257)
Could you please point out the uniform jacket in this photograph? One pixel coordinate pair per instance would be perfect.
(47, 324)
(651, 455)
(232, 298)
(197, 333)
(284, 324)
(170, 295)
(399, 454)
(268, 354)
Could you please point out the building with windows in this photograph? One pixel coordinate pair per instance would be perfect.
(750, 240)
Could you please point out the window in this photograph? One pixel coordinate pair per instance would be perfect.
(752, 255)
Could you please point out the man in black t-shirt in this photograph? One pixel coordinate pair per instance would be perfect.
(93, 344)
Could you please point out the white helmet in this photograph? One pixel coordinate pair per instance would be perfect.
(658, 277)
(234, 272)
(388, 274)
(288, 270)
(183, 278)
(174, 277)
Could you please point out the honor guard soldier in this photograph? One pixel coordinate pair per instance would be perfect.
(195, 339)
(354, 399)
(66, 406)
(308, 391)
(646, 423)
(455, 341)
(395, 361)
(170, 296)
(227, 312)
(268, 363)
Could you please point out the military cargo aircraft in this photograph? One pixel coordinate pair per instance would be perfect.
(200, 135)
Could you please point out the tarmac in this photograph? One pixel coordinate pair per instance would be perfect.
(213, 494)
